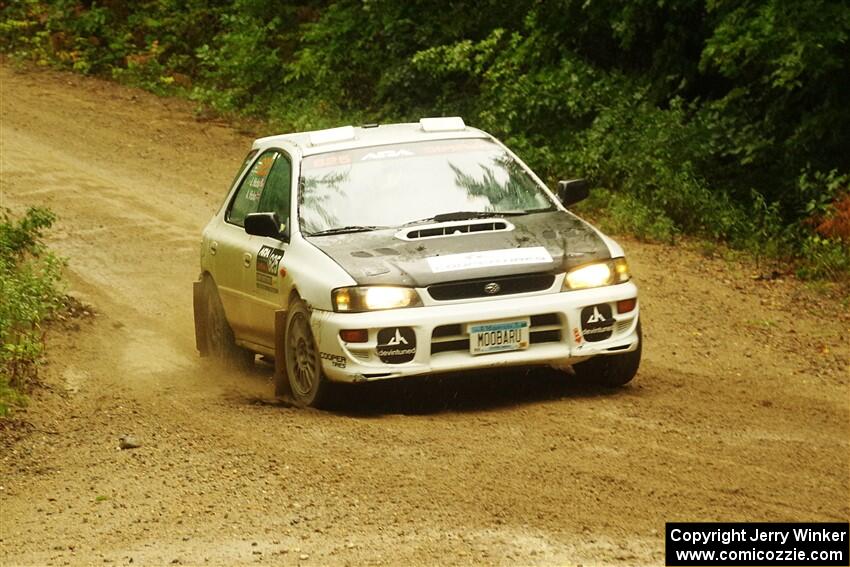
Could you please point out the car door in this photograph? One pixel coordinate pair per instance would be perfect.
(233, 249)
(268, 286)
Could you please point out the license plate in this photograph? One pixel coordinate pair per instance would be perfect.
(503, 336)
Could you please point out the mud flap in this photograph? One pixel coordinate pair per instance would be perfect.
(281, 380)
(200, 308)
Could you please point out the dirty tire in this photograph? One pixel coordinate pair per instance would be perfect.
(220, 340)
(303, 363)
(612, 371)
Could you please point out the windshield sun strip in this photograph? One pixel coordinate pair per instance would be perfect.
(494, 164)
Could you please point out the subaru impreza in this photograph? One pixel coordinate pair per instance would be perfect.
(377, 252)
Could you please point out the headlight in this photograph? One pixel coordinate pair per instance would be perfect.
(371, 298)
(598, 274)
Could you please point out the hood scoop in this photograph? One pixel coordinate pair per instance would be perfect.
(454, 229)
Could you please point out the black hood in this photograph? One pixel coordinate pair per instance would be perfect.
(379, 257)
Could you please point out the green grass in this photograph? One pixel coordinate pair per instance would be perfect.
(30, 292)
(10, 398)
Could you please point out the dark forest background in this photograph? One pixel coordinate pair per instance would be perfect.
(727, 120)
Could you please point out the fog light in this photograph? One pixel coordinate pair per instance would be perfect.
(354, 335)
(626, 305)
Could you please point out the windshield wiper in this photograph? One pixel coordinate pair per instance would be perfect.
(346, 229)
(465, 215)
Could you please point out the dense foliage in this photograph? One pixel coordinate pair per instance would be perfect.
(725, 119)
(29, 276)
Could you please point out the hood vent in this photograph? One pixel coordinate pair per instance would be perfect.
(454, 229)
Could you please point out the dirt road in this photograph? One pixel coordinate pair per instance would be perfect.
(740, 411)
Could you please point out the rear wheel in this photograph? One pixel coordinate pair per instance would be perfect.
(612, 371)
(220, 339)
(303, 363)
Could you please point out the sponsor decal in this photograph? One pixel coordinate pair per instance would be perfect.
(257, 178)
(489, 259)
(330, 160)
(396, 345)
(397, 339)
(596, 317)
(268, 261)
(456, 147)
(387, 154)
(597, 323)
(265, 165)
(347, 158)
(335, 359)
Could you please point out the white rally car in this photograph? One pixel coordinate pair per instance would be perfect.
(359, 254)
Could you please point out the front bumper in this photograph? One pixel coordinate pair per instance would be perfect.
(442, 344)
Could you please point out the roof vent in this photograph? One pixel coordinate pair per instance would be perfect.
(331, 135)
(444, 124)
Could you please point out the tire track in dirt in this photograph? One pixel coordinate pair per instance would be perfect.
(740, 411)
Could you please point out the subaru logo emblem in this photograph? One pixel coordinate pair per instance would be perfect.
(492, 288)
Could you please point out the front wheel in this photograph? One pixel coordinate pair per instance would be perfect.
(614, 370)
(303, 364)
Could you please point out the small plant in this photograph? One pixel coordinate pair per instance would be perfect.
(29, 293)
(824, 258)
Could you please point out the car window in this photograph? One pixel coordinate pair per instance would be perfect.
(245, 163)
(247, 198)
(277, 192)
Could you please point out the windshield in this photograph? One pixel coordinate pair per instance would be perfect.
(388, 186)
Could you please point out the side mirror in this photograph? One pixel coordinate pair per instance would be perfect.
(572, 191)
(264, 224)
